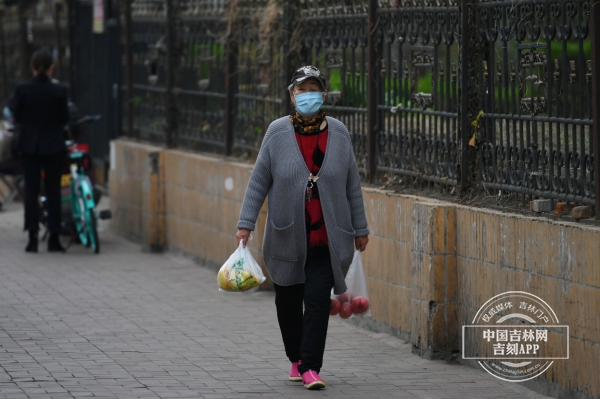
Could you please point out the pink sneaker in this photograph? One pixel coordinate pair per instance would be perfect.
(312, 380)
(294, 373)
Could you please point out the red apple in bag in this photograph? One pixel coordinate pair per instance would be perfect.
(345, 297)
(346, 310)
(360, 305)
(335, 307)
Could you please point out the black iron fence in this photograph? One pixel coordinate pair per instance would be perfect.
(458, 93)
(536, 130)
(26, 26)
(86, 45)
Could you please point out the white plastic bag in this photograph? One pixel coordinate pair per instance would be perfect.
(355, 301)
(240, 272)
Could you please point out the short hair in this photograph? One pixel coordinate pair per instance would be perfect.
(41, 61)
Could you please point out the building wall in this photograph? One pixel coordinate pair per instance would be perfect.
(430, 265)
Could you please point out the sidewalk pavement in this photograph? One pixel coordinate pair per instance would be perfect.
(127, 324)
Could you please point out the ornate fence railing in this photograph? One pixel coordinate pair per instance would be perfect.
(492, 94)
(535, 88)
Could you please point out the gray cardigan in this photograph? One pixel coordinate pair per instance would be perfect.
(281, 173)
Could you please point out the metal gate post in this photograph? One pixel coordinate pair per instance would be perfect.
(372, 102)
(172, 64)
(595, 38)
(73, 59)
(231, 85)
(26, 46)
(231, 82)
(293, 57)
(287, 72)
(128, 65)
(58, 7)
(466, 87)
(3, 71)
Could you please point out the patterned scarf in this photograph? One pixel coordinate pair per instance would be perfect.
(304, 125)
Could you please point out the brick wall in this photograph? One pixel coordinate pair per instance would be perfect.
(203, 200)
(557, 261)
(430, 264)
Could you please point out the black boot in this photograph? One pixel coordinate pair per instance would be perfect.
(32, 245)
(54, 243)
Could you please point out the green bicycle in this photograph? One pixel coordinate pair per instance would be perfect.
(79, 217)
(83, 206)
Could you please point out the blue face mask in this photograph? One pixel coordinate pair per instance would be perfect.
(307, 104)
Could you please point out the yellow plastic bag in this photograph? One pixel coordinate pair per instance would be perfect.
(240, 272)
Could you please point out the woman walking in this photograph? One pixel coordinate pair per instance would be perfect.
(40, 108)
(315, 219)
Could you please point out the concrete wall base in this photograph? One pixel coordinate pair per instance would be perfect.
(430, 265)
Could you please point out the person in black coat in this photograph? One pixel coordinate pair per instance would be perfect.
(40, 108)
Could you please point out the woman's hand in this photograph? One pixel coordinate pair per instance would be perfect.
(243, 234)
(361, 243)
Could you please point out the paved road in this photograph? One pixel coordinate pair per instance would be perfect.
(127, 324)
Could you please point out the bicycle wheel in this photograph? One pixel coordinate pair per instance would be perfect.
(92, 230)
(78, 210)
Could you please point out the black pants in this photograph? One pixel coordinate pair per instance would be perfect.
(52, 164)
(305, 331)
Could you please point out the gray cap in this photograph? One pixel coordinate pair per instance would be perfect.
(306, 72)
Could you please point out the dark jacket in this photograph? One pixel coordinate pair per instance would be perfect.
(41, 111)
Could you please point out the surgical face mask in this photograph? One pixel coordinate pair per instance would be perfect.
(307, 104)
